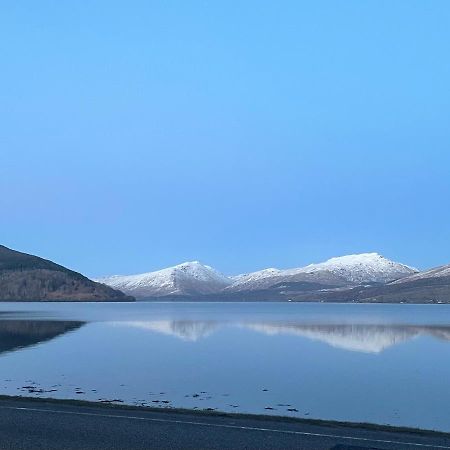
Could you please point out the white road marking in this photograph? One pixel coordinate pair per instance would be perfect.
(217, 425)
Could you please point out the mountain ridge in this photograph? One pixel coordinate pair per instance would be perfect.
(335, 272)
(25, 277)
(337, 279)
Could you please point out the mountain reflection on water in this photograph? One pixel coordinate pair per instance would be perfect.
(367, 338)
(17, 334)
(358, 363)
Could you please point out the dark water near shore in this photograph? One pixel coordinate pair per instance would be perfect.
(387, 364)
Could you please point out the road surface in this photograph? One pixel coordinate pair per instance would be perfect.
(44, 425)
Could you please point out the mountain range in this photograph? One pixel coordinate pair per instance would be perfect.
(366, 277)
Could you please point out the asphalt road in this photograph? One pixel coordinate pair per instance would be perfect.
(41, 425)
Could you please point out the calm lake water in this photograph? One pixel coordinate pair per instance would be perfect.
(387, 364)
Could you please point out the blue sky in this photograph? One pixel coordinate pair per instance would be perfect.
(136, 135)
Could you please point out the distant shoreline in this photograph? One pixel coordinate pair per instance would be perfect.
(334, 302)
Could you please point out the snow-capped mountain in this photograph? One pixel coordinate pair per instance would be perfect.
(192, 279)
(255, 280)
(437, 272)
(189, 278)
(342, 271)
(267, 278)
(362, 268)
(430, 286)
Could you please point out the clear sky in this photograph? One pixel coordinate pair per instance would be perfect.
(245, 134)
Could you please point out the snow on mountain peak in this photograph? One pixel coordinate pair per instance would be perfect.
(195, 268)
(258, 275)
(190, 264)
(350, 269)
(362, 268)
(188, 278)
(252, 280)
(436, 272)
(193, 278)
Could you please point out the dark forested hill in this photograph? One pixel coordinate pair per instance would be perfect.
(26, 277)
